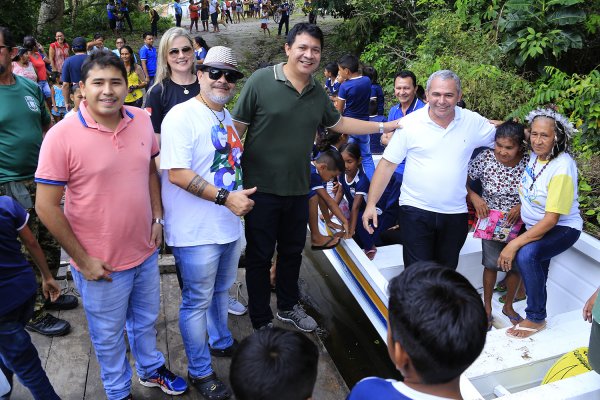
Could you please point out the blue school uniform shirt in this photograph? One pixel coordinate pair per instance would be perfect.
(378, 388)
(359, 186)
(356, 92)
(110, 10)
(149, 54)
(332, 86)
(377, 94)
(17, 279)
(316, 182)
(396, 113)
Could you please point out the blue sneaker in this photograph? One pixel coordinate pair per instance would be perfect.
(167, 381)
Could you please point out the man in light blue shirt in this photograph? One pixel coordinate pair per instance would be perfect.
(178, 13)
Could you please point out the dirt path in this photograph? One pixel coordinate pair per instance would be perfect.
(252, 47)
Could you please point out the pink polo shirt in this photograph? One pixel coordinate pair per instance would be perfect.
(107, 199)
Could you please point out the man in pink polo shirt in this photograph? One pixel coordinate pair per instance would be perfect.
(112, 223)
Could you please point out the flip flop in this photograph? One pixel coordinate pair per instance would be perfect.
(500, 287)
(502, 299)
(327, 244)
(515, 320)
(518, 327)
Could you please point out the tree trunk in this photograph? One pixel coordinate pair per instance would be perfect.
(51, 14)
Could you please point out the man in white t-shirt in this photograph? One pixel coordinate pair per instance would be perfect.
(203, 201)
(437, 142)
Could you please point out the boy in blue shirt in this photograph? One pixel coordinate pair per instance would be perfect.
(431, 349)
(149, 58)
(353, 101)
(17, 291)
(327, 166)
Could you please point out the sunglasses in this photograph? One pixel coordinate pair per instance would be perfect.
(183, 50)
(216, 74)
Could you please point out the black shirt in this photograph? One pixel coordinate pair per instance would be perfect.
(162, 98)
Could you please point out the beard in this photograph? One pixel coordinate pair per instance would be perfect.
(222, 100)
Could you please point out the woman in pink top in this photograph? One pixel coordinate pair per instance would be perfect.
(22, 66)
(59, 51)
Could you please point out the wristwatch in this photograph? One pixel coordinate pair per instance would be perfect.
(381, 127)
(158, 221)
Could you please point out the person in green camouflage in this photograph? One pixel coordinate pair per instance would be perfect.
(24, 119)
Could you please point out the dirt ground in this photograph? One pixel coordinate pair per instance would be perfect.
(253, 48)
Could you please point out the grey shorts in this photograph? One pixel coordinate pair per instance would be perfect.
(490, 251)
(594, 349)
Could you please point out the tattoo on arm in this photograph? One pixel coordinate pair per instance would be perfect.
(197, 186)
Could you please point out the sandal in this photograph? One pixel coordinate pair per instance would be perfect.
(514, 319)
(500, 287)
(531, 331)
(502, 299)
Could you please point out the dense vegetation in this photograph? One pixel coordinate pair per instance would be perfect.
(512, 55)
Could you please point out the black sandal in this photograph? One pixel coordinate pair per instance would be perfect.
(210, 387)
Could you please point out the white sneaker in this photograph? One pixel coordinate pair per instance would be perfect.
(235, 307)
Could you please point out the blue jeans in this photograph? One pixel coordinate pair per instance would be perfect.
(533, 261)
(207, 272)
(364, 142)
(132, 301)
(19, 356)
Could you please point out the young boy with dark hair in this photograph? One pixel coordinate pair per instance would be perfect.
(353, 101)
(327, 166)
(18, 291)
(436, 329)
(274, 364)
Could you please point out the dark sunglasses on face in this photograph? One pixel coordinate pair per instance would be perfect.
(216, 74)
(184, 50)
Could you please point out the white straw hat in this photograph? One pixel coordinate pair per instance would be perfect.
(221, 57)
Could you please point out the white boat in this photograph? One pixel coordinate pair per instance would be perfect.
(507, 368)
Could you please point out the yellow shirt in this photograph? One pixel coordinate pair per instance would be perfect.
(133, 80)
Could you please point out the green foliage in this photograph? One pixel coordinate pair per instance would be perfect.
(20, 16)
(541, 29)
(488, 87)
(386, 56)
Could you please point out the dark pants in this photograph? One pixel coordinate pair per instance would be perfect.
(154, 29)
(594, 349)
(177, 19)
(126, 18)
(285, 19)
(431, 236)
(19, 356)
(274, 220)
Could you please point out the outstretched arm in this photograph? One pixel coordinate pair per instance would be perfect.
(383, 173)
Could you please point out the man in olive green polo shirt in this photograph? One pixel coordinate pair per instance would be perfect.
(280, 109)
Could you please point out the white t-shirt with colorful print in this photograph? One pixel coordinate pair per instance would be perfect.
(553, 190)
(192, 137)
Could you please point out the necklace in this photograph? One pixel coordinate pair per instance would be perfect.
(215, 114)
(185, 89)
(538, 174)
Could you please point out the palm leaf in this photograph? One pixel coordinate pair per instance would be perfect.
(566, 16)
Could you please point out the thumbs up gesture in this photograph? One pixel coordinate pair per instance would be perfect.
(239, 202)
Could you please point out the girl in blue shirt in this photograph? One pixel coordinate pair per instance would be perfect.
(355, 185)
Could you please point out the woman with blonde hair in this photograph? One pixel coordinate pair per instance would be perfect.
(175, 80)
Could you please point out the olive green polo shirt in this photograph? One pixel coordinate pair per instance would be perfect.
(282, 125)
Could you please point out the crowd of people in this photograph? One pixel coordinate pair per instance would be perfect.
(104, 157)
